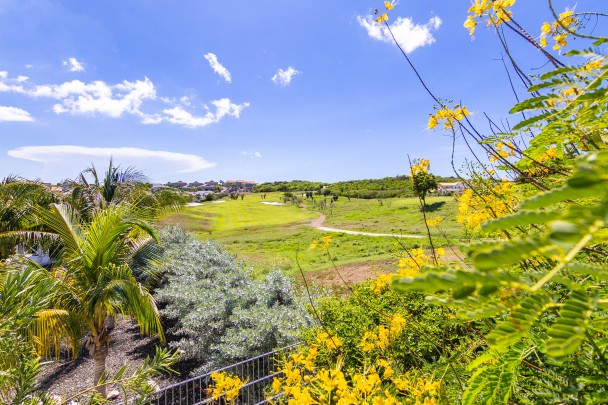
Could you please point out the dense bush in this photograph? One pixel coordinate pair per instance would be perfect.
(377, 346)
(221, 312)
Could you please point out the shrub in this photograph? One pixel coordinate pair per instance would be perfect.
(376, 346)
(221, 313)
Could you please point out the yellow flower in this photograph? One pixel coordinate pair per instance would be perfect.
(594, 65)
(470, 24)
(560, 41)
(313, 245)
(326, 241)
(382, 17)
(388, 6)
(434, 221)
(225, 385)
(494, 11)
(448, 116)
(397, 323)
(381, 283)
(420, 166)
(331, 342)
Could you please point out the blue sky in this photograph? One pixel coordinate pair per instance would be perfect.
(259, 90)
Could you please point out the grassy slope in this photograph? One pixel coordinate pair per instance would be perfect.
(268, 236)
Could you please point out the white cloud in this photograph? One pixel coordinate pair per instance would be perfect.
(181, 162)
(223, 107)
(14, 114)
(407, 33)
(252, 155)
(114, 100)
(217, 67)
(79, 98)
(283, 77)
(74, 65)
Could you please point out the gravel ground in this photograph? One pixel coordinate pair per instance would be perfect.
(68, 377)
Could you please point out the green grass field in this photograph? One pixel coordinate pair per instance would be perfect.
(270, 236)
(395, 215)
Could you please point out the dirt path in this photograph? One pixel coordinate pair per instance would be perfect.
(318, 224)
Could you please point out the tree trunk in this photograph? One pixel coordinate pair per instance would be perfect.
(99, 355)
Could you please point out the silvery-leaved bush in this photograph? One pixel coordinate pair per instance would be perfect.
(221, 312)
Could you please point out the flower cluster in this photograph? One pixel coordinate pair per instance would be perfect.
(448, 116)
(502, 150)
(492, 202)
(325, 242)
(410, 265)
(307, 378)
(497, 12)
(332, 342)
(433, 221)
(546, 158)
(381, 283)
(557, 30)
(595, 64)
(420, 166)
(384, 16)
(225, 385)
(383, 336)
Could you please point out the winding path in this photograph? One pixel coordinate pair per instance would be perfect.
(318, 224)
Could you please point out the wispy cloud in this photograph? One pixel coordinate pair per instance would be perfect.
(407, 33)
(14, 114)
(73, 65)
(218, 67)
(253, 155)
(114, 100)
(283, 77)
(181, 162)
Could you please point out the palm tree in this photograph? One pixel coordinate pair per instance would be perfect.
(91, 191)
(95, 280)
(19, 200)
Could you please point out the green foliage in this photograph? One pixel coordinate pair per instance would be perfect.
(387, 187)
(24, 291)
(557, 290)
(19, 201)
(422, 183)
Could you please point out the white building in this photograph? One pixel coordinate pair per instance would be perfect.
(451, 188)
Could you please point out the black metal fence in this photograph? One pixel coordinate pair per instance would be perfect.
(258, 371)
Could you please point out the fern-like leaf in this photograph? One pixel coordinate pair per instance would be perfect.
(568, 332)
(517, 326)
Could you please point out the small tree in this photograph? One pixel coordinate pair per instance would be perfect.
(422, 180)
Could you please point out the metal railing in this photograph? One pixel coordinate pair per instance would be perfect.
(258, 371)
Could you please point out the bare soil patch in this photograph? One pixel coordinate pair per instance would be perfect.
(340, 278)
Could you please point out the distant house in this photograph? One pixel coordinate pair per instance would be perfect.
(178, 184)
(451, 188)
(240, 185)
(210, 185)
(156, 187)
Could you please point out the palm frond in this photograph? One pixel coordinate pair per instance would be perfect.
(53, 326)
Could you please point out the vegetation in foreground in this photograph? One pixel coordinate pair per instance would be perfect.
(522, 320)
(524, 316)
